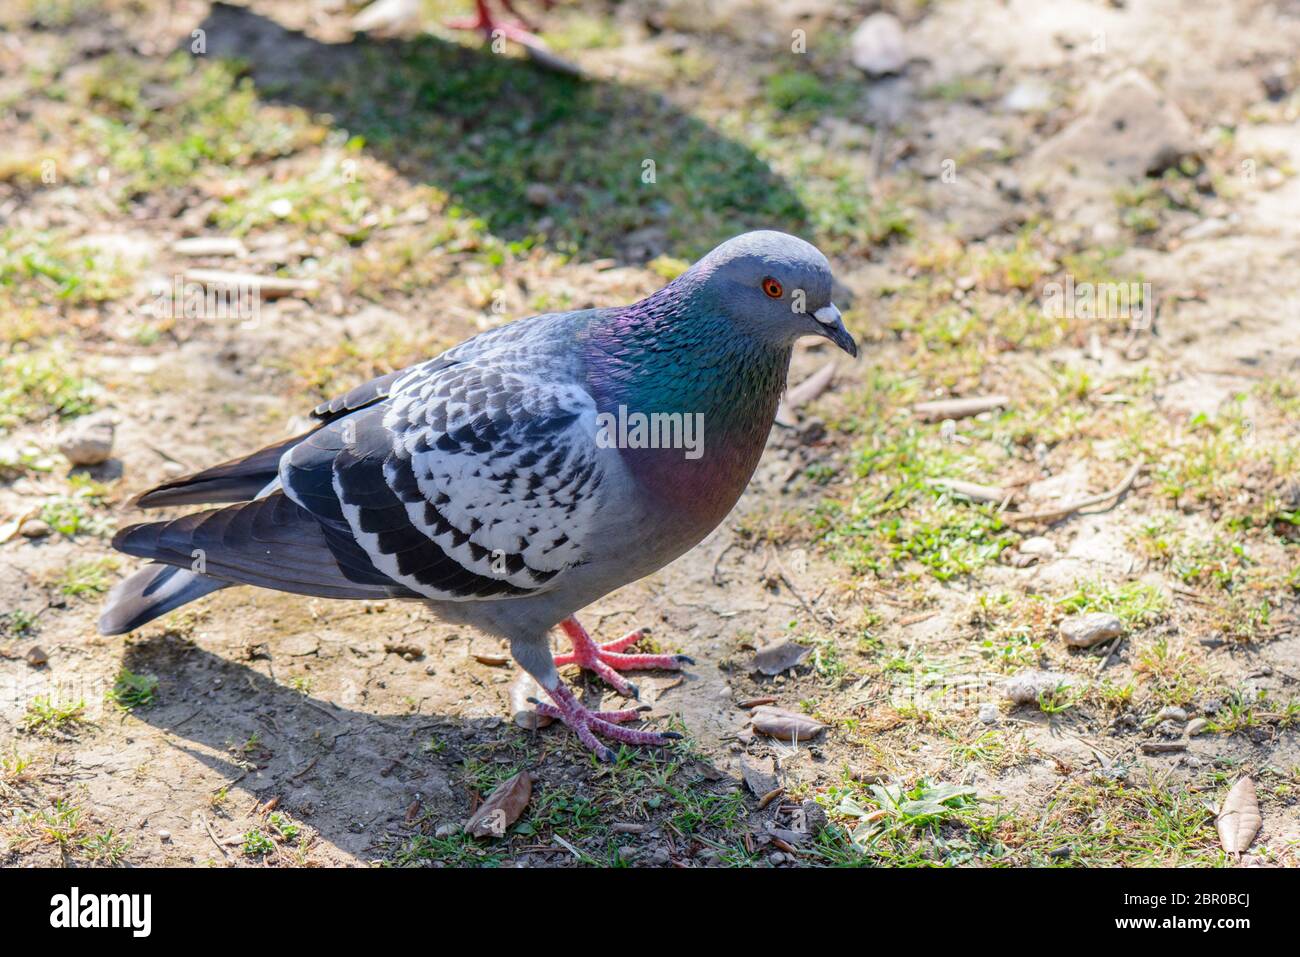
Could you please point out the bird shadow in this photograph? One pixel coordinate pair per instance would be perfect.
(352, 775)
(592, 168)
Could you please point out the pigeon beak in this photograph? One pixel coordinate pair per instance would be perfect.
(831, 325)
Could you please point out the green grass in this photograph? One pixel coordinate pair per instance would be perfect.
(40, 267)
(284, 826)
(50, 718)
(77, 514)
(17, 623)
(257, 844)
(410, 102)
(1109, 824)
(898, 520)
(86, 577)
(213, 118)
(106, 849)
(38, 384)
(1136, 604)
(796, 89)
(14, 766)
(131, 690)
(927, 824)
(60, 824)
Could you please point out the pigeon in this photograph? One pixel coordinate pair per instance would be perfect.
(516, 478)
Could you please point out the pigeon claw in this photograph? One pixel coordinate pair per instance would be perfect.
(485, 22)
(607, 659)
(608, 724)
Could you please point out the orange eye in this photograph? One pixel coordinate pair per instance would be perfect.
(772, 288)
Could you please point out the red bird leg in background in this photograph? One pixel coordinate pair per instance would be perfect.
(606, 661)
(520, 31)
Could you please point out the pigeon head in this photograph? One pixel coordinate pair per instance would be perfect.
(773, 287)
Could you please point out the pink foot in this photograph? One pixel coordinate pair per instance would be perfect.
(606, 661)
(484, 22)
(588, 724)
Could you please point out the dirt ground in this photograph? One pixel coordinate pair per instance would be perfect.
(427, 188)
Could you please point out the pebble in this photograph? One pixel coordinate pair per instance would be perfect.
(1084, 631)
(87, 443)
(814, 816)
(539, 194)
(1116, 772)
(34, 528)
(1172, 713)
(1169, 729)
(989, 713)
(1198, 726)
(164, 835)
(446, 830)
(877, 45)
(1038, 546)
(1026, 686)
(37, 656)
(1028, 96)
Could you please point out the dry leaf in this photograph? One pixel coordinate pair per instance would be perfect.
(775, 658)
(495, 661)
(785, 725)
(10, 528)
(502, 808)
(1239, 820)
(759, 774)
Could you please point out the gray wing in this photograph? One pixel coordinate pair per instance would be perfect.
(477, 476)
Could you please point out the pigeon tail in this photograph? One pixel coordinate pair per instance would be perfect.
(152, 591)
(238, 480)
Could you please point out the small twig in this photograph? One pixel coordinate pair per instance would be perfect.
(916, 619)
(195, 713)
(1106, 658)
(781, 573)
(1064, 511)
(584, 858)
(229, 784)
(971, 490)
(717, 562)
(811, 387)
(324, 711)
(959, 408)
(208, 827)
